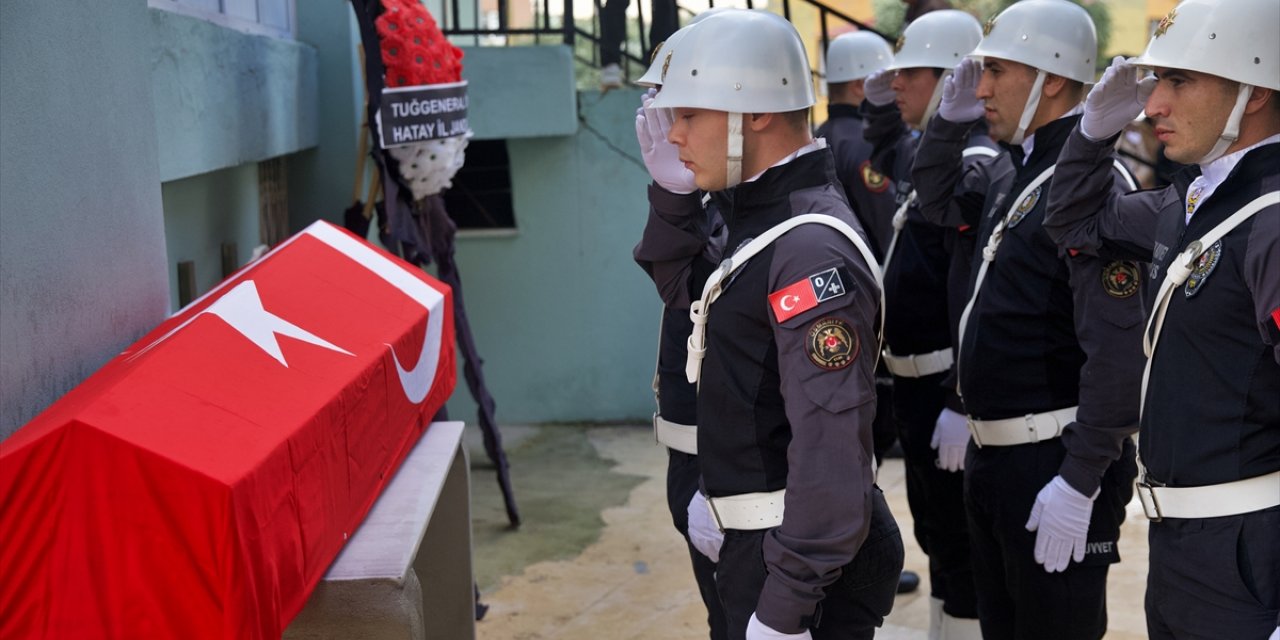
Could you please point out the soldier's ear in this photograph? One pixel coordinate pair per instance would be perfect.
(760, 121)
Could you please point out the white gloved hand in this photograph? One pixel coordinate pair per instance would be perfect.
(661, 158)
(960, 101)
(757, 630)
(951, 439)
(1115, 101)
(705, 536)
(878, 87)
(1275, 635)
(1061, 519)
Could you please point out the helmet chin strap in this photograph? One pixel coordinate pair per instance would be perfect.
(734, 174)
(936, 99)
(1033, 103)
(1230, 132)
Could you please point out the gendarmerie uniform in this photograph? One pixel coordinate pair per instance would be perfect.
(869, 192)
(926, 278)
(1210, 433)
(1049, 366)
(785, 409)
(684, 238)
(872, 197)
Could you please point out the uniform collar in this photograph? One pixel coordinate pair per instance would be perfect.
(1047, 141)
(1028, 145)
(843, 111)
(812, 168)
(1214, 173)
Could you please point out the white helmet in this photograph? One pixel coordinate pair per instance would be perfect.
(854, 56)
(938, 39)
(1055, 36)
(1051, 36)
(743, 61)
(653, 76)
(1233, 40)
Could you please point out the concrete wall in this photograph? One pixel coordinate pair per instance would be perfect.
(202, 212)
(566, 321)
(82, 247)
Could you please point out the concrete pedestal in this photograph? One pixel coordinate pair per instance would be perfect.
(406, 573)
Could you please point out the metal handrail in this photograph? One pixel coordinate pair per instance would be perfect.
(568, 31)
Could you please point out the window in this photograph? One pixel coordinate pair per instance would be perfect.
(480, 198)
(261, 17)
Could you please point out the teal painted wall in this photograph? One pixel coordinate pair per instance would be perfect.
(565, 320)
(201, 213)
(224, 98)
(520, 92)
(82, 247)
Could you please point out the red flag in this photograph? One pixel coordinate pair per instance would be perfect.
(793, 299)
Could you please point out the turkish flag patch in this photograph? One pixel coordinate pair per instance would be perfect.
(803, 295)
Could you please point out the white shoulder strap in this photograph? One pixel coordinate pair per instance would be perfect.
(1128, 176)
(989, 252)
(1180, 269)
(979, 151)
(900, 216)
(700, 309)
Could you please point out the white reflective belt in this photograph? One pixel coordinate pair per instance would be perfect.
(918, 365)
(681, 437)
(989, 254)
(1213, 501)
(1033, 427)
(748, 511)
(716, 282)
(1180, 269)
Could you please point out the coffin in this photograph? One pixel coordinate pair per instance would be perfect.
(200, 483)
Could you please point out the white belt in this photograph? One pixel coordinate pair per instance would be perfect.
(918, 365)
(1033, 427)
(681, 437)
(748, 511)
(1213, 501)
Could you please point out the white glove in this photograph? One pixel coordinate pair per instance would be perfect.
(960, 101)
(660, 156)
(705, 536)
(757, 630)
(951, 439)
(1115, 101)
(1061, 519)
(878, 88)
(1275, 635)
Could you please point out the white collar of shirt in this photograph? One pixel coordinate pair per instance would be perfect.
(816, 144)
(1029, 142)
(1215, 173)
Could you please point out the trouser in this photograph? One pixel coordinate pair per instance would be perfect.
(663, 21)
(1017, 598)
(682, 482)
(936, 497)
(1214, 577)
(852, 607)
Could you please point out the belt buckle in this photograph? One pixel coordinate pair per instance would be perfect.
(1150, 506)
(973, 431)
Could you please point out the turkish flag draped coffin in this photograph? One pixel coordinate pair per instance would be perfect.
(200, 484)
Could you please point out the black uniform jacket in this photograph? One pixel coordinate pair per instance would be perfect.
(927, 282)
(1049, 330)
(789, 404)
(1213, 401)
(870, 193)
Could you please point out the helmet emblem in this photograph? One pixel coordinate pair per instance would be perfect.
(666, 63)
(897, 46)
(1166, 22)
(986, 28)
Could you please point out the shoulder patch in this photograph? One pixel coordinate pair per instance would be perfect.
(803, 295)
(874, 181)
(1121, 278)
(832, 344)
(1205, 264)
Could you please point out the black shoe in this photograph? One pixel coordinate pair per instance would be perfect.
(908, 582)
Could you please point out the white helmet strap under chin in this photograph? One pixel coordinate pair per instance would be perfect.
(1029, 112)
(734, 155)
(936, 99)
(1230, 132)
